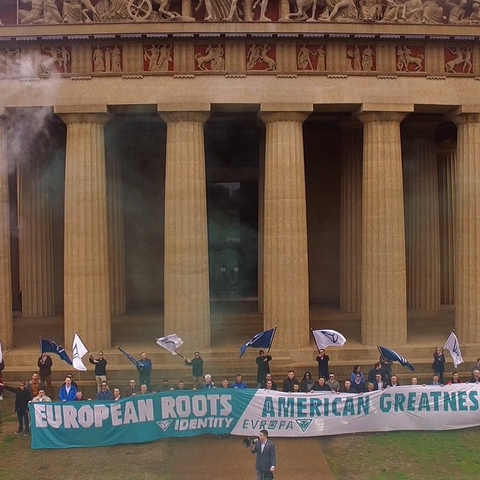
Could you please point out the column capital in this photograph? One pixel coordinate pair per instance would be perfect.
(369, 117)
(383, 112)
(173, 117)
(183, 112)
(464, 114)
(82, 113)
(285, 112)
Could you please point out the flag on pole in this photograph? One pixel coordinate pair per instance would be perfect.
(48, 346)
(395, 357)
(78, 351)
(170, 342)
(453, 347)
(135, 362)
(260, 340)
(1, 352)
(328, 338)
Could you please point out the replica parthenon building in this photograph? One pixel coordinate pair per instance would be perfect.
(293, 153)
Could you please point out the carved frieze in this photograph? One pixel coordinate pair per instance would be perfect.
(261, 57)
(185, 55)
(107, 59)
(458, 60)
(158, 58)
(311, 58)
(362, 58)
(410, 58)
(210, 57)
(37, 12)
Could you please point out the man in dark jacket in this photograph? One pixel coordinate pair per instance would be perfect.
(22, 397)
(266, 456)
(45, 373)
(100, 369)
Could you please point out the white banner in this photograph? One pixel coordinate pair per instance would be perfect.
(399, 408)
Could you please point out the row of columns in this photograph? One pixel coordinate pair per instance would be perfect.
(375, 254)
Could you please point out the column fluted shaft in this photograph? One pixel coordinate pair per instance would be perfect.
(384, 308)
(186, 297)
(467, 228)
(116, 237)
(35, 232)
(446, 191)
(86, 272)
(6, 318)
(351, 217)
(285, 256)
(421, 216)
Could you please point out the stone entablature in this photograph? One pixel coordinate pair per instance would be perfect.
(296, 55)
(35, 12)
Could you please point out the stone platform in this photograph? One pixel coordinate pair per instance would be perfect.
(232, 324)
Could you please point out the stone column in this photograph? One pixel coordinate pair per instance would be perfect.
(116, 238)
(87, 296)
(351, 217)
(35, 230)
(186, 297)
(6, 319)
(285, 255)
(421, 215)
(384, 307)
(467, 224)
(446, 194)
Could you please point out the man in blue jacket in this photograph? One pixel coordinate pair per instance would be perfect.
(67, 392)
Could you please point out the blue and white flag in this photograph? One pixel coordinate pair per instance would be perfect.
(79, 350)
(48, 346)
(328, 338)
(395, 357)
(260, 340)
(170, 342)
(133, 360)
(453, 347)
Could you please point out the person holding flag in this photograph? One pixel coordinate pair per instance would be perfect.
(197, 369)
(100, 369)
(144, 367)
(263, 367)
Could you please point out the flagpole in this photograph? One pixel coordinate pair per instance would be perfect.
(40, 340)
(273, 336)
(315, 340)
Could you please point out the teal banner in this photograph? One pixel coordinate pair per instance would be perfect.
(145, 418)
(137, 419)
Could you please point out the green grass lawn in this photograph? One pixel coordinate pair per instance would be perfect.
(449, 455)
(452, 455)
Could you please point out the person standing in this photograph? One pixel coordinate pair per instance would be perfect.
(144, 366)
(438, 365)
(22, 398)
(266, 456)
(322, 360)
(100, 369)
(263, 367)
(34, 385)
(68, 391)
(44, 364)
(197, 369)
(41, 397)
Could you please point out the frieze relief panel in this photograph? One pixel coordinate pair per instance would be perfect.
(37, 12)
(239, 56)
(158, 58)
(210, 57)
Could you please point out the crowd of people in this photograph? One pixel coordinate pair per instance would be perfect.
(40, 389)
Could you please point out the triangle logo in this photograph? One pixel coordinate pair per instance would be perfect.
(164, 425)
(304, 424)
